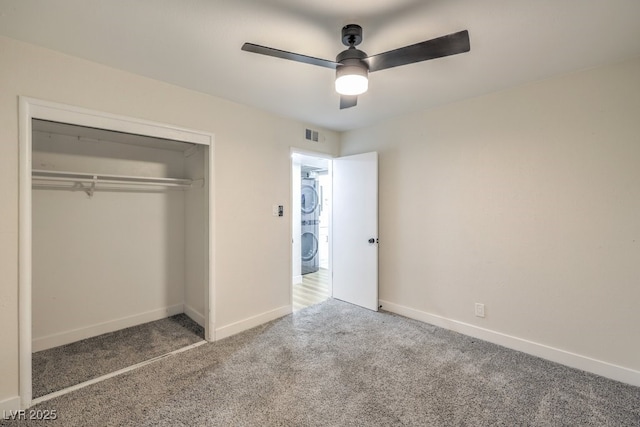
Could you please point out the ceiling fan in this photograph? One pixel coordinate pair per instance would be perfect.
(353, 65)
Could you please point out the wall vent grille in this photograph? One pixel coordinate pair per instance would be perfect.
(311, 135)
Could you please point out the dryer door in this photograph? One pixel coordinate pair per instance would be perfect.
(310, 199)
(309, 246)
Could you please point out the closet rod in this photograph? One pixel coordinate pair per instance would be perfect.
(99, 181)
(59, 176)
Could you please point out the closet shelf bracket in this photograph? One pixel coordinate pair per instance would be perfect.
(92, 189)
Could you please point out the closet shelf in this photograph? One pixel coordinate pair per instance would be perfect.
(90, 182)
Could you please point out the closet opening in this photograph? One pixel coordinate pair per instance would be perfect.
(311, 226)
(117, 267)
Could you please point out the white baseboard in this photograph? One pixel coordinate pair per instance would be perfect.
(251, 322)
(66, 337)
(573, 360)
(194, 315)
(10, 404)
(297, 279)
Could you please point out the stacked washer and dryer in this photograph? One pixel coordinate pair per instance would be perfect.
(310, 205)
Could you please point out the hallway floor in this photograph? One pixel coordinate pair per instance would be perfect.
(314, 289)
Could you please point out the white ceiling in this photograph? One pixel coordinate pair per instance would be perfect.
(196, 44)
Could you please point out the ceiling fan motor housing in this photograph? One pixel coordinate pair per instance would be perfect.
(352, 57)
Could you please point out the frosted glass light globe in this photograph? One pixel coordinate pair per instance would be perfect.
(352, 84)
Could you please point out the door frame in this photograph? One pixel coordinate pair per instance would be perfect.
(329, 157)
(31, 108)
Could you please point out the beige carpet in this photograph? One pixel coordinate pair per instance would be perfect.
(335, 364)
(60, 367)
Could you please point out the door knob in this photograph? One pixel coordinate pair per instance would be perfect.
(372, 240)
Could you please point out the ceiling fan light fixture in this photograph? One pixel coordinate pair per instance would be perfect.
(353, 66)
(351, 80)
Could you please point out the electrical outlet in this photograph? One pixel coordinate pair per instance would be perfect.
(479, 310)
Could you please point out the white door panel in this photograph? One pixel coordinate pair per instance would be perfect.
(355, 224)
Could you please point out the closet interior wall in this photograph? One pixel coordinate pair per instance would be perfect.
(119, 257)
(196, 235)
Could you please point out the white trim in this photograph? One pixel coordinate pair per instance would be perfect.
(25, 115)
(310, 153)
(10, 404)
(252, 322)
(98, 119)
(194, 314)
(30, 108)
(567, 358)
(209, 322)
(114, 374)
(297, 279)
(66, 337)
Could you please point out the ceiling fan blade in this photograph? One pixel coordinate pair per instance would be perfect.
(348, 101)
(269, 51)
(451, 44)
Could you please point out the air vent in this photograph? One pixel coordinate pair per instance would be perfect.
(311, 135)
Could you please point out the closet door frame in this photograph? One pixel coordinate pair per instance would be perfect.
(31, 108)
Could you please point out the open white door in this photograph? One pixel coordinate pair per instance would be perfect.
(355, 229)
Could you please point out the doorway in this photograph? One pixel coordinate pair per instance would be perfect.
(349, 198)
(41, 165)
(311, 229)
